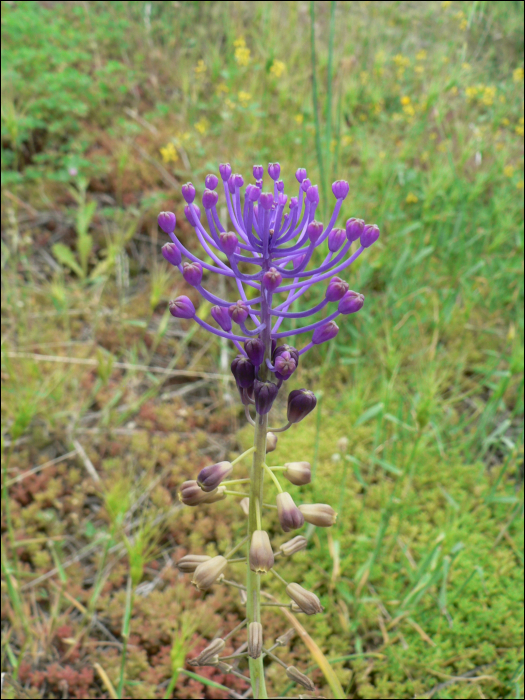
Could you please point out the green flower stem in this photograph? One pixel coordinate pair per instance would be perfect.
(275, 479)
(236, 548)
(244, 454)
(236, 493)
(235, 481)
(274, 572)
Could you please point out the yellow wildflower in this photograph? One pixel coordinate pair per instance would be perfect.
(425, 156)
(200, 67)
(471, 92)
(517, 75)
(222, 87)
(202, 126)
(239, 42)
(169, 153)
(363, 117)
(244, 98)
(489, 94)
(445, 59)
(466, 66)
(299, 118)
(382, 155)
(409, 110)
(419, 69)
(500, 146)
(505, 121)
(442, 147)
(433, 136)
(459, 15)
(519, 185)
(401, 61)
(242, 52)
(278, 68)
(446, 3)
(508, 171)
(405, 100)
(421, 55)
(411, 198)
(519, 129)
(229, 103)
(346, 140)
(463, 25)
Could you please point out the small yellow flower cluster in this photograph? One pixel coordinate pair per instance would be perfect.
(202, 126)
(421, 55)
(486, 94)
(346, 140)
(200, 67)
(169, 153)
(408, 107)
(402, 63)
(299, 118)
(462, 18)
(278, 68)
(244, 98)
(517, 75)
(519, 185)
(222, 88)
(519, 127)
(508, 171)
(378, 107)
(411, 198)
(242, 52)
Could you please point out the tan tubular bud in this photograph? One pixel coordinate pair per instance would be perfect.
(306, 600)
(261, 552)
(190, 562)
(224, 667)
(245, 505)
(298, 677)
(208, 572)
(211, 652)
(244, 597)
(319, 514)
(298, 473)
(292, 546)
(218, 495)
(255, 639)
(289, 514)
(286, 638)
(191, 494)
(271, 442)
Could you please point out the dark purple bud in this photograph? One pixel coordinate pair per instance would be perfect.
(192, 273)
(210, 477)
(312, 194)
(274, 170)
(340, 188)
(286, 348)
(354, 229)
(238, 180)
(171, 253)
(314, 230)
(258, 172)
(188, 192)
(246, 395)
(271, 279)
(231, 184)
(259, 184)
(305, 184)
(255, 350)
(264, 394)
(325, 333)
(301, 402)
(280, 186)
(294, 202)
(300, 174)
(211, 181)
(266, 200)
(336, 238)
(285, 365)
(209, 199)
(282, 199)
(181, 307)
(221, 316)
(167, 221)
(225, 170)
(253, 193)
(336, 289)
(243, 370)
(370, 235)
(191, 211)
(289, 514)
(238, 312)
(229, 242)
(351, 302)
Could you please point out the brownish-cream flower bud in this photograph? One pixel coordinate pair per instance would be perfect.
(306, 600)
(211, 652)
(245, 505)
(294, 545)
(319, 514)
(298, 677)
(244, 597)
(208, 572)
(191, 494)
(289, 514)
(218, 495)
(298, 473)
(286, 638)
(190, 562)
(271, 442)
(261, 553)
(255, 639)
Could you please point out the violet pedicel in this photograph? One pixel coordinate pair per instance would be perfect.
(277, 235)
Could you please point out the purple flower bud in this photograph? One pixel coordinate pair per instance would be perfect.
(238, 312)
(211, 181)
(210, 477)
(190, 211)
(300, 403)
(253, 193)
(192, 273)
(314, 230)
(282, 199)
(255, 350)
(181, 307)
(294, 202)
(336, 289)
(258, 172)
(312, 194)
(167, 221)
(351, 302)
(274, 170)
(340, 188)
(300, 174)
(229, 242)
(279, 350)
(370, 235)
(188, 192)
(246, 395)
(231, 184)
(305, 184)
(238, 180)
(221, 316)
(280, 186)
(285, 365)
(322, 334)
(336, 238)
(271, 279)
(225, 170)
(191, 494)
(243, 370)
(209, 199)
(259, 184)
(354, 229)
(171, 253)
(289, 514)
(264, 394)
(266, 200)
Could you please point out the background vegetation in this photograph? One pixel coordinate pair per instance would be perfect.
(109, 403)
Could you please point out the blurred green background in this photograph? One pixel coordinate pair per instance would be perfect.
(109, 403)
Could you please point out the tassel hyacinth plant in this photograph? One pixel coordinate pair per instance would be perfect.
(279, 246)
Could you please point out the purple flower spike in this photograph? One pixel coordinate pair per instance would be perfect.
(336, 289)
(336, 238)
(280, 186)
(188, 192)
(354, 229)
(272, 279)
(300, 174)
(325, 333)
(225, 169)
(243, 370)
(190, 211)
(258, 172)
(266, 200)
(314, 230)
(181, 307)
(351, 302)
(305, 184)
(285, 365)
(238, 312)
(312, 194)
(221, 316)
(294, 202)
(171, 253)
(340, 188)
(229, 242)
(301, 402)
(238, 180)
(255, 350)
(264, 393)
(192, 273)
(274, 170)
(209, 199)
(211, 181)
(252, 192)
(167, 221)
(370, 235)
